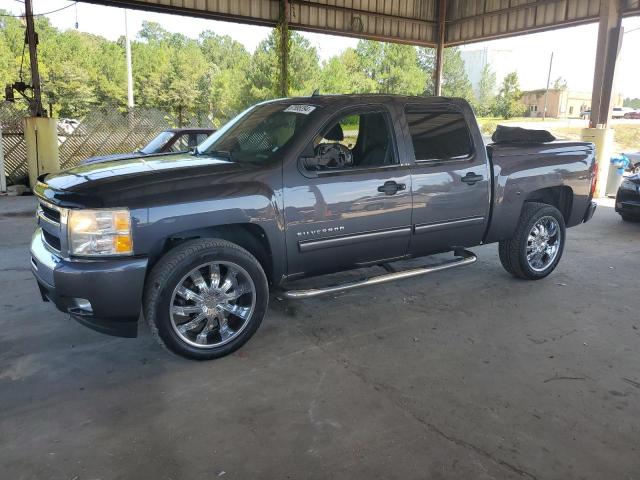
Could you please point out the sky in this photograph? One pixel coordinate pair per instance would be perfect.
(573, 48)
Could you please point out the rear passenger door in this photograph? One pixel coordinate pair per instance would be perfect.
(449, 178)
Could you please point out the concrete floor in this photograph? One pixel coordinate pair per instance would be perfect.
(468, 374)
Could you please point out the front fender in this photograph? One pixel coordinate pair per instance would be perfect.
(250, 202)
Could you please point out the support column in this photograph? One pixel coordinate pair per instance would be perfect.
(130, 103)
(41, 141)
(3, 176)
(40, 131)
(32, 40)
(609, 41)
(437, 72)
(283, 47)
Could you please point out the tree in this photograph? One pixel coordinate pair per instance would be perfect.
(507, 102)
(455, 81)
(485, 95)
(387, 68)
(264, 73)
(335, 77)
(226, 78)
(631, 102)
(560, 84)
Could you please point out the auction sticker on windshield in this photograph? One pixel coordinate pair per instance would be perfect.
(303, 109)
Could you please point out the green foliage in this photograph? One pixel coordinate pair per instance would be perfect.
(264, 72)
(487, 126)
(631, 102)
(560, 84)
(455, 82)
(507, 103)
(374, 67)
(213, 75)
(484, 100)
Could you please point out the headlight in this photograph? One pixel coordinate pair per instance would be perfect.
(100, 232)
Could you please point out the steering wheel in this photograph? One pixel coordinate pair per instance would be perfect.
(333, 155)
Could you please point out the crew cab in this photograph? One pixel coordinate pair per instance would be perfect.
(295, 188)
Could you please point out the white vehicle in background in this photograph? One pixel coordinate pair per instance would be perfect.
(620, 112)
(66, 126)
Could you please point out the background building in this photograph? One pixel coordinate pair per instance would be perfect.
(561, 103)
(499, 60)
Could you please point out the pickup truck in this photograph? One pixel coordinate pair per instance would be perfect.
(294, 188)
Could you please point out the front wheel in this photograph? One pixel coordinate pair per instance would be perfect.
(629, 218)
(205, 298)
(537, 244)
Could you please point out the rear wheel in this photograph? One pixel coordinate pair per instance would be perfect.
(537, 245)
(205, 298)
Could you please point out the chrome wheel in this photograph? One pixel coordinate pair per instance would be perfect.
(543, 243)
(212, 304)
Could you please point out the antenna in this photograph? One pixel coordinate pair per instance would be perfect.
(316, 93)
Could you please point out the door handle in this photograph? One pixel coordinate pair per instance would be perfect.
(471, 178)
(391, 188)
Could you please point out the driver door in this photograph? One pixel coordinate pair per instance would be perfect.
(354, 209)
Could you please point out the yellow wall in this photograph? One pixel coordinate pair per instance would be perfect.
(41, 140)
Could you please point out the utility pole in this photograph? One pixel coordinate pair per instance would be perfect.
(129, 69)
(32, 41)
(546, 92)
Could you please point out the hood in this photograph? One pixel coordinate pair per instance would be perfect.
(108, 158)
(94, 184)
(635, 178)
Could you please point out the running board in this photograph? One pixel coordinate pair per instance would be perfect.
(462, 258)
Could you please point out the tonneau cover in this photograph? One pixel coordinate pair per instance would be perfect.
(520, 135)
(552, 148)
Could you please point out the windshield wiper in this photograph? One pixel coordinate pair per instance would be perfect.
(215, 153)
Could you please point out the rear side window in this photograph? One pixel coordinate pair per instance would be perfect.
(439, 135)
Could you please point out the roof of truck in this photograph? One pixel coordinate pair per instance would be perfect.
(369, 97)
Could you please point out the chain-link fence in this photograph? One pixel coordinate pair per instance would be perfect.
(101, 132)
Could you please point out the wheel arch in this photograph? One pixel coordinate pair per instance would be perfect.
(250, 236)
(560, 196)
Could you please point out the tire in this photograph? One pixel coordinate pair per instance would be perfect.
(212, 325)
(513, 252)
(503, 252)
(627, 218)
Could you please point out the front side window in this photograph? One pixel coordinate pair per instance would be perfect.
(259, 133)
(439, 135)
(181, 144)
(200, 137)
(356, 140)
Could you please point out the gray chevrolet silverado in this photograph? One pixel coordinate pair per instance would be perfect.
(297, 188)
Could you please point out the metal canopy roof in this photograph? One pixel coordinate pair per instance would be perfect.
(404, 21)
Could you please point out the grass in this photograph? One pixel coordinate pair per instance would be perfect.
(626, 136)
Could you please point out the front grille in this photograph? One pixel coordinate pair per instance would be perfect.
(50, 213)
(51, 240)
(50, 218)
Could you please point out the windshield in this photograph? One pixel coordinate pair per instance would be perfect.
(257, 133)
(155, 145)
